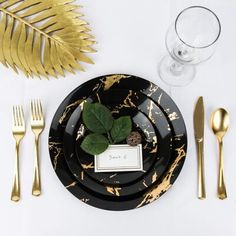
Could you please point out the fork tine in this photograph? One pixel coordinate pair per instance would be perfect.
(31, 109)
(14, 116)
(21, 115)
(18, 116)
(40, 110)
(37, 109)
(34, 113)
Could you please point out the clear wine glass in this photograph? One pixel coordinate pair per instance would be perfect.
(190, 40)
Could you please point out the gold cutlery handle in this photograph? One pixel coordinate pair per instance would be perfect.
(15, 194)
(36, 189)
(201, 172)
(221, 184)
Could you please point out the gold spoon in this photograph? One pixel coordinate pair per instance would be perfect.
(219, 125)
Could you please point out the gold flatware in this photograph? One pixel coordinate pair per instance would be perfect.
(198, 120)
(37, 126)
(220, 124)
(18, 130)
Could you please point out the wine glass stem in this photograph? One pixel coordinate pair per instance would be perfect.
(176, 68)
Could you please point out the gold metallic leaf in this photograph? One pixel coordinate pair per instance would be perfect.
(43, 37)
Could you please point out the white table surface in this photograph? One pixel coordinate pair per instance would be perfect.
(131, 40)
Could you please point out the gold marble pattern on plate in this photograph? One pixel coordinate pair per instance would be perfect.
(178, 137)
(88, 166)
(168, 127)
(167, 110)
(157, 191)
(145, 146)
(150, 110)
(82, 175)
(68, 109)
(152, 89)
(173, 116)
(97, 87)
(113, 79)
(154, 177)
(144, 183)
(98, 97)
(154, 141)
(85, 200)
(113, 190)
(115, 112)
(112, 176)
(57, 150)
(80, 132)
(127, 101)
(159, 99)
(148, 133)
(72, 184)
(154, 150)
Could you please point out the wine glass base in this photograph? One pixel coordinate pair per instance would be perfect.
(174, 73)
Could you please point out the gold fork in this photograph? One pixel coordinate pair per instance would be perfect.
(18, 130)
(37, 126)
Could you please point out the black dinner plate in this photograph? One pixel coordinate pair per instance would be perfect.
(148, 120)
(103, 83)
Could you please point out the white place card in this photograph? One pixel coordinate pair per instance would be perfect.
(118, 158)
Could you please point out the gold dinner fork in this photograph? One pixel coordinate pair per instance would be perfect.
(18, 130)
(37, 126)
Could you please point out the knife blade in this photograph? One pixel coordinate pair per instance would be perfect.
(198, 120)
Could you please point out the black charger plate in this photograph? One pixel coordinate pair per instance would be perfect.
(156, 144)
(104, 83)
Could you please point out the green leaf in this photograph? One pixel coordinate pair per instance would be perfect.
(97, 118)
(94, 144)
(121, 129)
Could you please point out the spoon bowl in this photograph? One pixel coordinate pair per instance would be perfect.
(220, 122)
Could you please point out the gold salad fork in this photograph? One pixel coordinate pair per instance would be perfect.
(37, 126)
(18, 130)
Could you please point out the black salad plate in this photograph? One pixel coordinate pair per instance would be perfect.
(113, 198)
(152, 124)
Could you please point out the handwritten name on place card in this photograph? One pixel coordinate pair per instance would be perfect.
(118, 158)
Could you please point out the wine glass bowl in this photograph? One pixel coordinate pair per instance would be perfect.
(190, 40)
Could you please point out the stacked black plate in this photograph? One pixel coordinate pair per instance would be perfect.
(154, 115)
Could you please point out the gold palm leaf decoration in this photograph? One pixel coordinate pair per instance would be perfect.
(43, 37)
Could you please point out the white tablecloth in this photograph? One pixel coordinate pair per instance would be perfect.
(130, 35)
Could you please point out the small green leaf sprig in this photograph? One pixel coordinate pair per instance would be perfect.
(105, 129)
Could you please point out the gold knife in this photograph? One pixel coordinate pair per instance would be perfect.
(198, 121)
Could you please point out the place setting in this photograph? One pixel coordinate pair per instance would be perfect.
(117, 141)
(153, 118)
(148, 158)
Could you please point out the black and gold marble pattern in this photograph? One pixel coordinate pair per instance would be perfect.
(69, 109)
(155, 159)
(157, 190)
(114, 199)
(57, 151)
